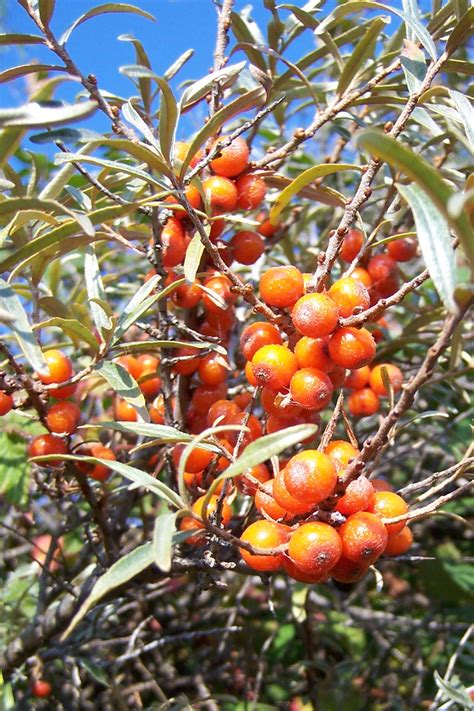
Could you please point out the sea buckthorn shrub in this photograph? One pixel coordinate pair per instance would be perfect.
(235, 349)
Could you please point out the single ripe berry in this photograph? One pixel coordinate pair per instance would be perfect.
(402, 250)
(266, 535)
(241, 419)
(222, 409)
(124, 411)
(284, 499)
(352, 348)
(63, 418)
(251, 189)
(315, 315)
(359, 496)
(99, 472)
(149, 381)
(381, 267)
(273, 366)
(41, 688)
(131, 364)
(198, 459)
(6, 402)
(279, 405)
(265, 502)
(313, 353)
(231, 160)
(214, 369)
(341, 453)
(266, 229)
(247, 247)
(311, 388)
(47, 444)
(349, 295)
(348, 571)
(173, 243)
(222, 194)
(218, 295)
(315, 548)
(59, 367)
(399, 543)
(310, 476)
(362, 275)
(389, 505)
(364, 537)
(187, 296)
(376, 380)
(181, 149)
(187, 360)
(256, 335)
(249, 481)
(351, 245)
(363, 403)
(191, 524)
(358, 378)
(206, 395)
(281, 286)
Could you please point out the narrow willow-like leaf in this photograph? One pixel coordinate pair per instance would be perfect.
(463, 29)
(118, 574)
(457, 694)
(71, 327)
(164, 529)
(25, 69)
(138, 298)
(169, 114)
(427, 177)
(200, 88)
(144, 346)
(95, 290)
(125, 385)
(414, 66)
(21, 328)
(61, 158)
(309, 21)
(46, 9)
(108, 7)
(363, 51)
(13, 39)
(35, 115)
(193, 256)
(466, 111)
(144, 61)
(176, 66)
(140, 151)
(70, 135)
(243, 33)
(303, 180)
(133, 117)
(434, 240)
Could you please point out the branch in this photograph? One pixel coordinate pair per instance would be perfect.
(220, 60)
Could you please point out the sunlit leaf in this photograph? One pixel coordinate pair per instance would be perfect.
(164, 529)
(106, 8)
(124, 385)
(466, 111)
(35, 115)
(463, 29)
(73, 328)
(21, 328)
(363, 51)
(13, 39)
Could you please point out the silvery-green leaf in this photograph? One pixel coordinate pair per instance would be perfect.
(11, 304)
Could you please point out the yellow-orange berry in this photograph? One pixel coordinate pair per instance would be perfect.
(251, 190)
(315, 548)
(198, 459)
(341, 453)
(364, 537)
(313, 353)
(315, 315)
(348, 571)
(359, 496)
(232, 159)
(399, 543)
(284, 499)
(358, 378)
(279, 405)
(387, 504)
(265, 502)
(222, 193)
(281, 286)
(349, 295)
(206, 395)
(124, 411)
(264, 534)
(362, 275)
(99, 472)
(47, 444)
(256, 335)
(218, 295)
(381, 267)
(363, 402)
(394, 375)
(351, 245)
(351, 348)
(402, 250)
(6, 402)
(214, 369)
(311, 388)
(310, 476)
(273, 366)
(63, 418)
(59, 367)
(247, 247)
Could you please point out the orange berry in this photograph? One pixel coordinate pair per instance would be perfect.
(315, 548)
(264, 534)
(349, 295)
(284, 499)
(181, 149)
(394, 374)
(6, 402)
(222, 193)
(281, 286)
(231, 160)
(315, 315)
(243, 399)
(399, 543)
(279, 405)
(351, 245)
(385, 287)
(348, 571)
(247, 247)
(256, 335)
(313, 353)
(99, 472)
(387, 504)
(222, 408)
(221, 320)
(363, 403)
(205, 395)
(341, 453)
(47, 444)
(381, 267)
(150, 386)
(297, 574)
(63, 418)
(358, 378)
(265, 502)
(251, 189)
(41, 688)
(310, 476)
(63, 393)
(249, 480)
(130, 364)
(266, 229)
(359, 496)
(273, 366)
(59, 367)
(252, 423)
(198, 459)
(364, 537)
(275, 423)
(352, 348)
(187, 296)
(190, 524)
(191, 360)
(221, 296)
(214, 369)
(124, 411)
(193, 196)
(402, 250)
(362, 275)
(172, 240)
(251, 379)
(311, 388)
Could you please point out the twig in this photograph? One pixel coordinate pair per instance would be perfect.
(220, 60)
